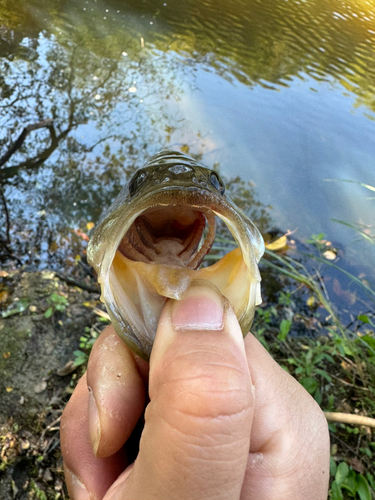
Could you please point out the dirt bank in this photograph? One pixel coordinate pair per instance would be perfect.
(42, 322)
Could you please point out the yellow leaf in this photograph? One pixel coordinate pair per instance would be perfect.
(91, 303)
(4, 296)
(90, 225)
(9, 389)
(6, 355)
(311, 301)
(278, 244)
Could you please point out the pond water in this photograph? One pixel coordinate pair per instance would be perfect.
(278, 92)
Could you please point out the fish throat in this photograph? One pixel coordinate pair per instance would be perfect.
(170, 235)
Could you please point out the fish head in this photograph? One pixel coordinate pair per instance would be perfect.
(171, 170)
(150, 244)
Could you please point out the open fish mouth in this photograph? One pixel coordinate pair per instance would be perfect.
(150, 244)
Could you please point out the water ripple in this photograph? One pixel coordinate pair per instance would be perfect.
(267, 41)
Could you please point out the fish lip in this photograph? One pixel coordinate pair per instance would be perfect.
(171, 186)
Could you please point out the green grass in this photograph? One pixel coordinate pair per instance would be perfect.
(304, 332)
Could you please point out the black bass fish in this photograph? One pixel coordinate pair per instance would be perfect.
(150, 243)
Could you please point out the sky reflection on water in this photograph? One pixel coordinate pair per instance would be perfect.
(279, 92)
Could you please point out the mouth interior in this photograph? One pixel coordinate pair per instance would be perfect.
(159, 258)
(171, 235)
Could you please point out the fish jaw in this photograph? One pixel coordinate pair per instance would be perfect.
(138, 291)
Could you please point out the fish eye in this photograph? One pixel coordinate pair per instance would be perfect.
(136, 181)
(217, 182)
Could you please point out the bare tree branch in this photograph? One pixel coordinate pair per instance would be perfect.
(21, 139)
(38, 160)
(80, 284)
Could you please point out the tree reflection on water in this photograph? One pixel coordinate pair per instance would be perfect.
(111, 77)
(100, 130)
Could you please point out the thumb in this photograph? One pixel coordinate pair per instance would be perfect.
(196, 438)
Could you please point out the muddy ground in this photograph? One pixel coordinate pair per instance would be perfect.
(37, 376)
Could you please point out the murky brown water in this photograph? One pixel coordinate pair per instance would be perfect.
(280, 92)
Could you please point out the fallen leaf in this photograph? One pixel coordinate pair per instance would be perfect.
(90, 225)
(4, 296)
(357, 465)
(81, 234)
(91, 303)
(67, 369)
(32, 309)
(311, 301)
(3, 274)
(6, 355)
(42, 386)
(48, 275)
(16, 308)
(47, 476)
(25, 444)
(329, 255)
(53, 246)
(9, 389)
(278, 244)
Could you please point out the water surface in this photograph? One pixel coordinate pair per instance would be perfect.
(279, 92)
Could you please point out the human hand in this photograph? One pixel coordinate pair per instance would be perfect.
(224, 420)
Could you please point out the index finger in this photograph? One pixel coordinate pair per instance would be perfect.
(109, 413)
(116, 380)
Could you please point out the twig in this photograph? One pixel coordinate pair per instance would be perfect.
(343, 443)
(80, 284)
(50, 427)
(349, 384)
(7, 241)
(101, 313)
(349, 418)
(21, 139)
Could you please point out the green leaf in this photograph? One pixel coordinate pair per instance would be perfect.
(79, 358)
(318, 396)
(284, 329)
(369, 340)
(49, 312)
(350, 482)
(364, 318)
(332, 466)
(342, 472)
(336, 493)
(309, 383)
(324, 374)
(292, 361)
(371, 480)
(328, 357)
(363, 488)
